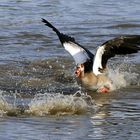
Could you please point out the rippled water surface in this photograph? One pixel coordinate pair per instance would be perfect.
(39, 95)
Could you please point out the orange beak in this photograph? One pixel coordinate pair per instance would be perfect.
(77, 72)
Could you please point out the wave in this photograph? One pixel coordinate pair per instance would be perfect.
(59, 104)
(49, 104)
(125, 25)
(5, 107)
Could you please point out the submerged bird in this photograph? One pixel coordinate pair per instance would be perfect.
(90, 68)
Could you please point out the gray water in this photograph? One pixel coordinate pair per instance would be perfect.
(39, 95)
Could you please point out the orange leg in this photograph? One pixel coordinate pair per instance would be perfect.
(104, 89)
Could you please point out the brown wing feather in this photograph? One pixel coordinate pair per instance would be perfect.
(120, 46)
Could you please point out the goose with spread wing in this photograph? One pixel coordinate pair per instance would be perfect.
(90, 68)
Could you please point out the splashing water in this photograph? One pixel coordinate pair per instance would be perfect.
(123, 76)
(4, 106)
(48, 104)
(59, 104)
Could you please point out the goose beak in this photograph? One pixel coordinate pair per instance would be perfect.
(79, 70)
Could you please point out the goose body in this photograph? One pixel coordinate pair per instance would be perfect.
(90, 68)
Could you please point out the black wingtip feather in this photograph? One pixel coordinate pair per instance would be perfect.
(62, 37)
(47, 23)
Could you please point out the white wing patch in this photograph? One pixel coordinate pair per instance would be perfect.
(79, 54)
(98, 60)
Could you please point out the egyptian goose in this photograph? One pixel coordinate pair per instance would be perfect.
(90, 68)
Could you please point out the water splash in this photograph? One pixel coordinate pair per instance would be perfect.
(123, 75)
(5, 107)
(46, 104)
(59, 104)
